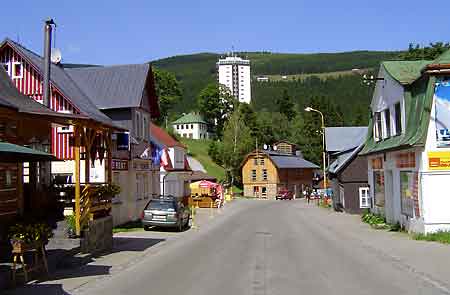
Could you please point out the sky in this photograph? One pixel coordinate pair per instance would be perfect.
(136, 31)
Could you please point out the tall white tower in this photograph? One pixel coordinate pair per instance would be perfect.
(234, 72)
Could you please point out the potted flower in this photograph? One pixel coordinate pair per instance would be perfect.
(107, 192)
(29, 236)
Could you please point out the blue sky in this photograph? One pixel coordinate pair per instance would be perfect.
(133, 31)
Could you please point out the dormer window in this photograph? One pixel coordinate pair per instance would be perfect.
(17, 70)
(387, 123)
(377, 127)
(398, 119)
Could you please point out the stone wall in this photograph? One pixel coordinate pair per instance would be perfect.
(98, 237)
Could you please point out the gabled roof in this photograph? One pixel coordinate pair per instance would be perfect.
(442, 62)
(11, 97)
(405, 72)
(343, 159)
(284, 161)
(190, 118)
(418, 102)
(339, 139)
(291, 162)
(162, 137)
(111, 87)
(61, 80)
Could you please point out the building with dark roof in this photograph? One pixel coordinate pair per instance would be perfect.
(266, 172)
(408, 144)
(347, 170)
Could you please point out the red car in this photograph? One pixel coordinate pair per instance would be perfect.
(284, 195)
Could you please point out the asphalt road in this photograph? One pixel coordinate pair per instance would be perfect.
(267, 247)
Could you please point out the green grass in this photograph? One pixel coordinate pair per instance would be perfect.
(440, 237)
(199, 150)
(129, 227)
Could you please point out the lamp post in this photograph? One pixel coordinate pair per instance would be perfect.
(309, 109)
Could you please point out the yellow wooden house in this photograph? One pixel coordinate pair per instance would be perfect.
(266, 172)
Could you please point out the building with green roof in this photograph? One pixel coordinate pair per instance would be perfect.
(192, 125)
(408, 144)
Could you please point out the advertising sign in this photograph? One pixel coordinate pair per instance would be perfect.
(439, 160)
(442, 113)
(123, 141)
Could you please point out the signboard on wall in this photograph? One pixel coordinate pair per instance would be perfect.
(442, 113)
(119, 164)
(123, 141)
(439, 160)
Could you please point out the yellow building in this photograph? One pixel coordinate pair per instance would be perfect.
(266, 172)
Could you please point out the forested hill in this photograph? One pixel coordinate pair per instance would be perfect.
(197, 70)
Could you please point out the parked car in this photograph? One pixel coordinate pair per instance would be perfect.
(284, 195)
(166, 211)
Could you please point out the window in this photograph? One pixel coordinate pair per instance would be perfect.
(255, 161)
(387, 123)
(138, 125)
(398, 119)
(17, 70)
(192, 126)
(7, 68)
(377, 127)
(364, 198)
(264, 174)
(190, 135)
(26, 172)
(178, 126)
(182, 126)
(378, 180)
(187, 126)
(407, 192)
(145, 128)
(263, 191)
(261, 161)
(253, 175)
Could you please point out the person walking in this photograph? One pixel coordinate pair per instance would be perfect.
(308, 194)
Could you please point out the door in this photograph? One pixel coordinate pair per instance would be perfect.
(364, 198)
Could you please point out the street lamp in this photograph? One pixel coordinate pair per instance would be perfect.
(310, 109)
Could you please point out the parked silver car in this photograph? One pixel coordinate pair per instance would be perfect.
(166, 211)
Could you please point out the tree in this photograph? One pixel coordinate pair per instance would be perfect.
(286, 105)
(236, 144)
(216, 104)
(416, 52)
(168, 91)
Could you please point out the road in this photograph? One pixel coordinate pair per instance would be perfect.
(268, 247)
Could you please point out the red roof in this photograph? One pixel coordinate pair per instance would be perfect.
(163, 137)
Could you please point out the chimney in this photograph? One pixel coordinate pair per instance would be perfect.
(47, 52)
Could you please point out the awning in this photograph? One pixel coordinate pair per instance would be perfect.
(13, 153)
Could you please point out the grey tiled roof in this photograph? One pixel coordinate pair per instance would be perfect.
(291, 162)
(65, 84)
(112, 86)
(339, 139)
(343, 159)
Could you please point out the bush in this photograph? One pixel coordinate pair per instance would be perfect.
(440, 236)
(377, 221)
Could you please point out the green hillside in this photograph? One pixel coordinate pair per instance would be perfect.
(197, 70)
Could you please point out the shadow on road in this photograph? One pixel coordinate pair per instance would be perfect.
(42, 289)
(134, 244)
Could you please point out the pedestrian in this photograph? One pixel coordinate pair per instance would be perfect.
(308, 194)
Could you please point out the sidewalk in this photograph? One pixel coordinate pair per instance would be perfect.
(430, 260)
(129, 248)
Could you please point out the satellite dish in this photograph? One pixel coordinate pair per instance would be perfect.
(275, 147)
(56, 56)
(265, 146)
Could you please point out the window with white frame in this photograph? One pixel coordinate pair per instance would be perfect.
(253, 175)
(16, 70)
(264, 174)
(364, 197)
(145, 127)
(387, 123)
(377, 127)
(138, 125)
(398, 118)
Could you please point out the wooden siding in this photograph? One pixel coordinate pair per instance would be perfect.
(31, 85)
(249, 165)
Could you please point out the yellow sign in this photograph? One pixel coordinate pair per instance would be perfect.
(439, 160)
